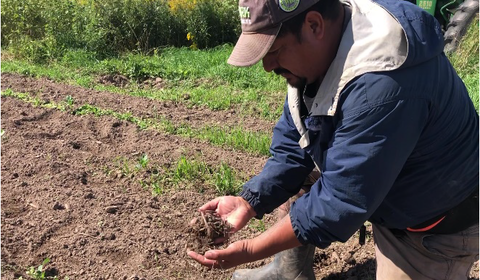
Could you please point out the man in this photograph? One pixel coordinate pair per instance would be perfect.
(373, 104)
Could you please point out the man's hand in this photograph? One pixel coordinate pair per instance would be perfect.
(235, 254)
(278, 238)
(233, 209)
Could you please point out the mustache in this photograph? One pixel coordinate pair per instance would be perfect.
(280, 71)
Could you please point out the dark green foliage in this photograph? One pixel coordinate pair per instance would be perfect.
(42, 30)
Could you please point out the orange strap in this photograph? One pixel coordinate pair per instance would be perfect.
(427, 227)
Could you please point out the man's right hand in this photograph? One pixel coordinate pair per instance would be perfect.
(233, 209)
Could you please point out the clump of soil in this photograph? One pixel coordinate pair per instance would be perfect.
(208, 230)
(113, 80)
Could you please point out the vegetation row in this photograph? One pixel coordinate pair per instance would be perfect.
(257, 143)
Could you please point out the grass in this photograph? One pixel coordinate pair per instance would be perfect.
(184, 173)
(466, 64)
(202, 75)
(223, 178)
(234, 137)
(258, 225)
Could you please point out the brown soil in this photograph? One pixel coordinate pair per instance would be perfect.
(64, 199)
(207, 230)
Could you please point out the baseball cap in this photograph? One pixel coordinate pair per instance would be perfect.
(261, 21)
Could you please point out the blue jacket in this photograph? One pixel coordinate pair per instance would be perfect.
(392, 130)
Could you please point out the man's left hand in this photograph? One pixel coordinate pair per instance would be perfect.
(235, 254)
(277, 238)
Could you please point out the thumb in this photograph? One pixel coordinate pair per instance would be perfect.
(212, 255)
(211, 205)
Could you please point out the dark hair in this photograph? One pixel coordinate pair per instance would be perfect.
(329, 9)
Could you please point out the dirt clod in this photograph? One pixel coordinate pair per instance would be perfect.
(207, 230)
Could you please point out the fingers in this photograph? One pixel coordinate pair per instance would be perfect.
(233, 255)
(203, 260)
(211, 205)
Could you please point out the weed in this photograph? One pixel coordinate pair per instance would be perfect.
(236, 137)
(38, 32)
(226, 182)
(107, 170)
(124, 166)
(156, 188)
(69, 100)
(209, 81)
(466, 62)
(39, 273)
(37, 102)
(189, 169)
(258, 225)
(142, 162)
(155, 182)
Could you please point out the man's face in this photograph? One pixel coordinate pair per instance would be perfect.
(284, 59)
(304, 59)
(295, 60)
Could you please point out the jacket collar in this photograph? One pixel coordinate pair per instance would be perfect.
(373, 41)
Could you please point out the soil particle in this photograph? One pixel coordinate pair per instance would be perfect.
(111, 209)
(58, 206)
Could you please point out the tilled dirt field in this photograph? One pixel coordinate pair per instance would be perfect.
(58, 201)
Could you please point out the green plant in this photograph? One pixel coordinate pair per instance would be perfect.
(258, 225)
(189, 169)
(209, 81)
(142, 162)
(124, 166)
(236, 137)
(226, 183)
(44, 30)
(39, 273)
(466, 61)
(69, 100)
(155, 182)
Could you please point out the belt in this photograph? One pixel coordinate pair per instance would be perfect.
(454, 220)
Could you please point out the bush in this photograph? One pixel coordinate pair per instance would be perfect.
(210, 23)
(44, 29)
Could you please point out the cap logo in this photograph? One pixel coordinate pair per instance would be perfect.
(288, 5)
(244, 15)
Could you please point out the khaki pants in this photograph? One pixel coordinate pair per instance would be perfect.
(406, 255)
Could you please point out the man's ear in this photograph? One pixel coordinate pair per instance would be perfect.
(315, 24)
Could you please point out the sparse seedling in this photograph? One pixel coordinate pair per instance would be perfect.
(40, 273)
(124, 166)
(142, 162)
(69, 100)
(259, 225)
(154, 182)
(225, 180)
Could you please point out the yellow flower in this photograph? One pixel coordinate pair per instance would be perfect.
(177, 5)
